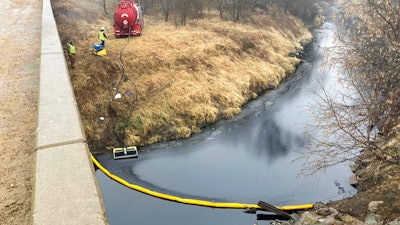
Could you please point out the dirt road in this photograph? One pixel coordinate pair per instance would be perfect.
(19, 85)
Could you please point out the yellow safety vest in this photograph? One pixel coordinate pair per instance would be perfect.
(72, 49)
(102, 37)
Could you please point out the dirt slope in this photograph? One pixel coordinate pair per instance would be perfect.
(19, 76)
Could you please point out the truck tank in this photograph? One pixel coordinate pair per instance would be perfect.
(128, 19)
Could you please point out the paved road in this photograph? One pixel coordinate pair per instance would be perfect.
(19, 84)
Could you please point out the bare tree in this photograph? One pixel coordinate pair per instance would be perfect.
(373, 57)
(368, 50)
(181, 11)
(220, 7)
(197, 9)
(166, 8)
(235, 10)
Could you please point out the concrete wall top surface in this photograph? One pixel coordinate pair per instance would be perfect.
(66, 189)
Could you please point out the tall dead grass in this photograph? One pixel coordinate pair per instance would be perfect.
(183, 78)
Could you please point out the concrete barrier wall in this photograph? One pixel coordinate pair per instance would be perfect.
(66, 189)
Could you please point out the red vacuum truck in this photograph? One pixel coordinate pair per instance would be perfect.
(128, 19)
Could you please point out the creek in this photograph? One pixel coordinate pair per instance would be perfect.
(245, 159)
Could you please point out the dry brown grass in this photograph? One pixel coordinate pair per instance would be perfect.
(184, 78)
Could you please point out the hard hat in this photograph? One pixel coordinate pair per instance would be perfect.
(71, 41)
(102, 28)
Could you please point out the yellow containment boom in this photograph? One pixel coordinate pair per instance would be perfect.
(231, 205)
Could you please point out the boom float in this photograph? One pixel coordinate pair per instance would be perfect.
(231, 205)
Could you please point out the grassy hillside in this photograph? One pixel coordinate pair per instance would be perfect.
(174, 80)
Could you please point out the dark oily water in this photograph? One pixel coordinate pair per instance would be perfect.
(246, 159)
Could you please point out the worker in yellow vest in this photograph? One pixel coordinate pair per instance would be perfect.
(102, 36)
(71, 53)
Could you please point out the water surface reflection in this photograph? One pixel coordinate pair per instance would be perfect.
(246, 159)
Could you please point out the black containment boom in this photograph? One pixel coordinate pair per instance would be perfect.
(273, 209)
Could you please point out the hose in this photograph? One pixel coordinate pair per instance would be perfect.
(121, 137)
